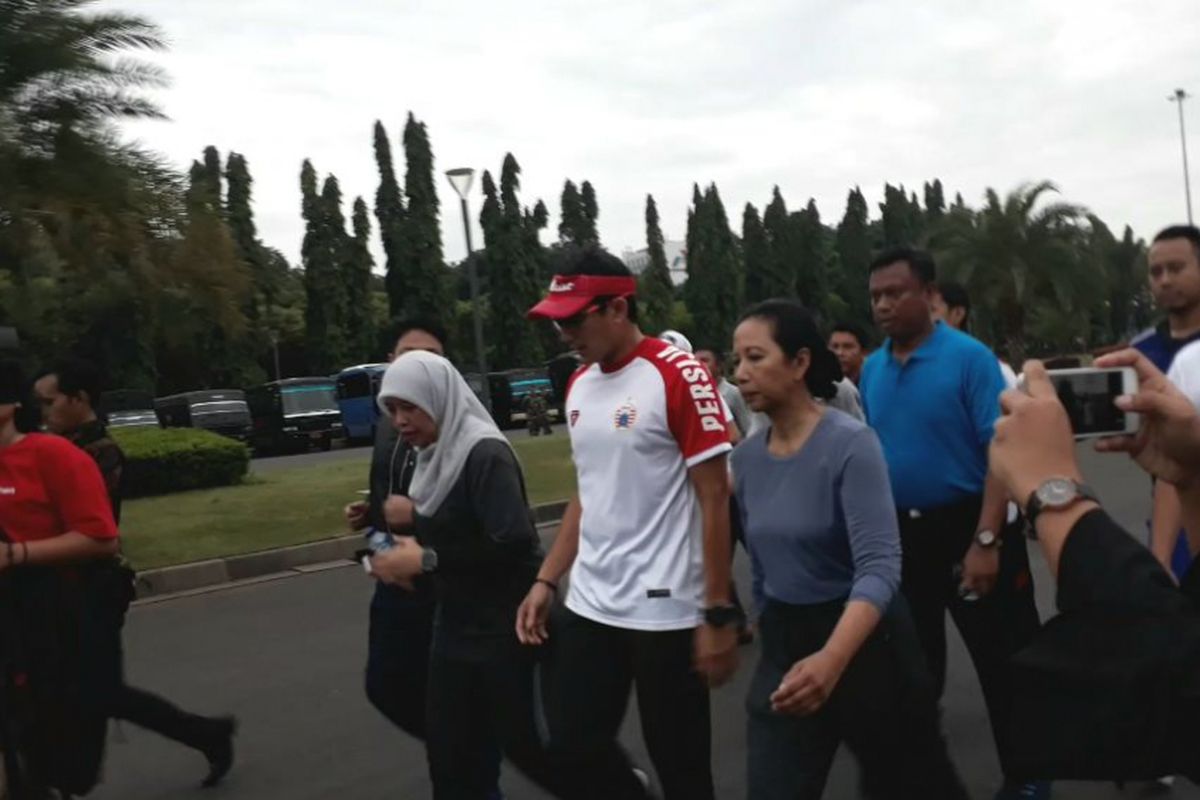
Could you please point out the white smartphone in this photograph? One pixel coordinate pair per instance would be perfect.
(1090, 394)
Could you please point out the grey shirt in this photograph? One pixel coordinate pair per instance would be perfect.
(820, 524)
(743, 417)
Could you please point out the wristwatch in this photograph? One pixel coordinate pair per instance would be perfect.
(723, 616)
(429, 560)
(1055, 494)
(987, 539)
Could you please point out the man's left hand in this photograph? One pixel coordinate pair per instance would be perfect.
(980, 567)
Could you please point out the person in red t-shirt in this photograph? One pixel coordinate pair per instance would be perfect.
(61, 602)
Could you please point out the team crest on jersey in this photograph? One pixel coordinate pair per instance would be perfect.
(625, 417)
(574, 416)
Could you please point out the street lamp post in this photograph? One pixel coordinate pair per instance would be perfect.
(461, 180)
(1178, 97)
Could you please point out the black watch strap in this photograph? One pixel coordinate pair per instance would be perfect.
(724, 616)
(1034, 507)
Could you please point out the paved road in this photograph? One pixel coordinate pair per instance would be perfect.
(287, 657)
(358, 452)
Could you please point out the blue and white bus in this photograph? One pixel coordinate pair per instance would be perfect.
(357, 388)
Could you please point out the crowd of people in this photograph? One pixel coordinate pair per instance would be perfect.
(873, 491)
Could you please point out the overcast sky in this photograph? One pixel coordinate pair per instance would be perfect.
(649, 96)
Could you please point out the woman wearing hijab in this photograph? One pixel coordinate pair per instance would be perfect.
(840, 659)
(62, 597)
(474, 534)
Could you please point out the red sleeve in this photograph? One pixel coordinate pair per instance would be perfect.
(76, 488)
(695, 411)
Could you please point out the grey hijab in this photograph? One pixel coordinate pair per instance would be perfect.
(431, 383)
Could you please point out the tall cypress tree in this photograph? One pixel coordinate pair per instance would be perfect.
(323, 252)
(853, 247)
(729, 273)
(426, 279)
(572, 226)
(779, 278)
(812, 258)
(757, 252)
(240, 216)
(591, 213)
(656, 292)
(509, 233)
(715, 286)
(898, 224)
(214, 312)
(389, 211)
(360, 323)
(210, 179)
(935, 201)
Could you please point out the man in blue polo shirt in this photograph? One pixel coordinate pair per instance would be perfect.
(1174, 271)
(932, 395)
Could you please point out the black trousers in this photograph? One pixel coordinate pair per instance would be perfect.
(156, 714)
(594, 668)
(474, 703)
(883, 708)
(401, 628)
(993, 627)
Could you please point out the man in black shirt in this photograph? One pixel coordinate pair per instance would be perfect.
(67, 396)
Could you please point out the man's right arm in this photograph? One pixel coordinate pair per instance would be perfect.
(566, 544)
(386, 440)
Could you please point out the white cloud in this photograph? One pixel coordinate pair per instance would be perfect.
(814, 95)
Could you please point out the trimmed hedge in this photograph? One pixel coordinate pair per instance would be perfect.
(165, 460)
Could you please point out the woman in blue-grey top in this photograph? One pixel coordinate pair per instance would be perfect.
(840, 659)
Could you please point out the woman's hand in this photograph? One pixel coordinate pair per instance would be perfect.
(808, 684)
(533, 614)
(399, 564)
(399, 512)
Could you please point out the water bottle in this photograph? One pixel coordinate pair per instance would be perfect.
(378, 541)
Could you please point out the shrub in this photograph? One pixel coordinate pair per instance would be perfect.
(164, 460)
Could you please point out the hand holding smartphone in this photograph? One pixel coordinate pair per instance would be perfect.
(1089, 395)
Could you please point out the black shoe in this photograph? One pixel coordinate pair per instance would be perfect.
(220, 751)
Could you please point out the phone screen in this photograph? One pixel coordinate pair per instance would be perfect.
(1089, 399)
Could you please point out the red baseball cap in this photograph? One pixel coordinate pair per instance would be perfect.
(571, 294)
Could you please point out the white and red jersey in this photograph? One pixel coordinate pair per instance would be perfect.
(636, 428)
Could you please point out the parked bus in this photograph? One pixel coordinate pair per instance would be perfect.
(294, 414)
(357, 388)
(222, 411)
(128, 408)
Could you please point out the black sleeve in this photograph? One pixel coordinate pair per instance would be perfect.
(495, 492)
(388, 449)
(1103, 568)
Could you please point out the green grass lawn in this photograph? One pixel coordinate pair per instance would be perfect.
(290, 507)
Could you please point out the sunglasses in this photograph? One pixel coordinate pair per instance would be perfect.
(575, 320)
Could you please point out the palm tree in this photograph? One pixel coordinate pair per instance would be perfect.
(75, 201)
(1020, 258)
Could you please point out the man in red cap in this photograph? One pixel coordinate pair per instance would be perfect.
(646, 541)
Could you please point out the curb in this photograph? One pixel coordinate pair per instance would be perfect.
(218, 571)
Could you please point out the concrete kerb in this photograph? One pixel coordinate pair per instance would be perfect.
(282, 561)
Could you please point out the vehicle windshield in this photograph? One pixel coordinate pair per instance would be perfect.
(220, 408)
(302, 400)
